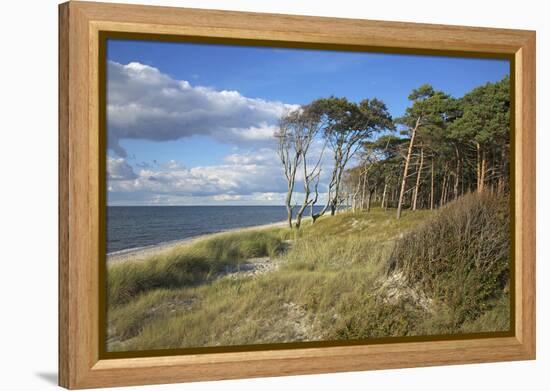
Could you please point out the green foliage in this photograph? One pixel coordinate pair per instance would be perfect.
(369, 316)
(432, 109)
(495, 319)
(486, 114)
(346, 123)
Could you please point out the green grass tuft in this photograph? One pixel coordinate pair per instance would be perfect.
(189, 265)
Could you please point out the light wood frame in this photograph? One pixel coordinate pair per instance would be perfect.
(80, 23)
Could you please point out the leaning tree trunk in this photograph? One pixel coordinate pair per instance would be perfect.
(290, 190)
(288, 202)
(483, 172)
(457, 172)
(418, 178)
(406, 169)
(329, 203)
(306, 198)
(335, 203)
(443, 187)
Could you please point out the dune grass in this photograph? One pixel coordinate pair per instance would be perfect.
(333, 282)
(190, 265)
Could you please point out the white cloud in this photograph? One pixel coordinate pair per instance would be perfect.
(264, 156)
(251, 177)
(239, 175)
(173, 165)
(118, 169)
(144, 103)
(228, 197)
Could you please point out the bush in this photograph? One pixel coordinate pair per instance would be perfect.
(461, 256)
(371, 316)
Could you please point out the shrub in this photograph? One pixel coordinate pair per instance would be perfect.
(372, 317)
(460, 257)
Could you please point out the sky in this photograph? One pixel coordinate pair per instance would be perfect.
(192, 124)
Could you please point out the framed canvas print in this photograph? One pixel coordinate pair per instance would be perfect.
(248, 195)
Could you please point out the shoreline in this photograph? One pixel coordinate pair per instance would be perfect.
(141, 253)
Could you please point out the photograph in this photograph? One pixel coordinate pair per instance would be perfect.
(262, 195)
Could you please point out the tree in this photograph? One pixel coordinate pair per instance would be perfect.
(290, 153)
(345, 125)
(485, 125)
(429, 111)
(307, 130)
(446, 147)
(296, 134)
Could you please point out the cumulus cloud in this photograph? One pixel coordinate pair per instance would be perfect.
(144, 103)
(243, 178)
(239, 175)
(119, 170)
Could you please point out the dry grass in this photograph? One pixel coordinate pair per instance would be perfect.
(190, 265)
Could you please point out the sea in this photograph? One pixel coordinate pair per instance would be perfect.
(132, 227)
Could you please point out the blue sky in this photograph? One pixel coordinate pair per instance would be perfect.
(147, 102)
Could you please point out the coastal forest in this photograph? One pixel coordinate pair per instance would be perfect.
(441, 149)
(396, 227)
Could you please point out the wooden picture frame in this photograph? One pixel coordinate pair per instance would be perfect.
(80, 147)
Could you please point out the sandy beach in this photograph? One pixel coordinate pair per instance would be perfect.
(139, 254)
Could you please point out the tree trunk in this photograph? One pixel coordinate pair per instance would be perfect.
(444, 187)
(502, 172)
(383, 204)
(369, 197)
(288, 206)
(432, 187)
(337, 160)
(363, 190)
(462, 177)
(314, 200)
(457, 173)
(481, 168)
(342, 161)
(418, 176)
(483, 171)
(406, 169)
(306, 199)
(288, 201)
(336, 202)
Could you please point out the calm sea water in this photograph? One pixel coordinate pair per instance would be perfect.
(140, 226)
